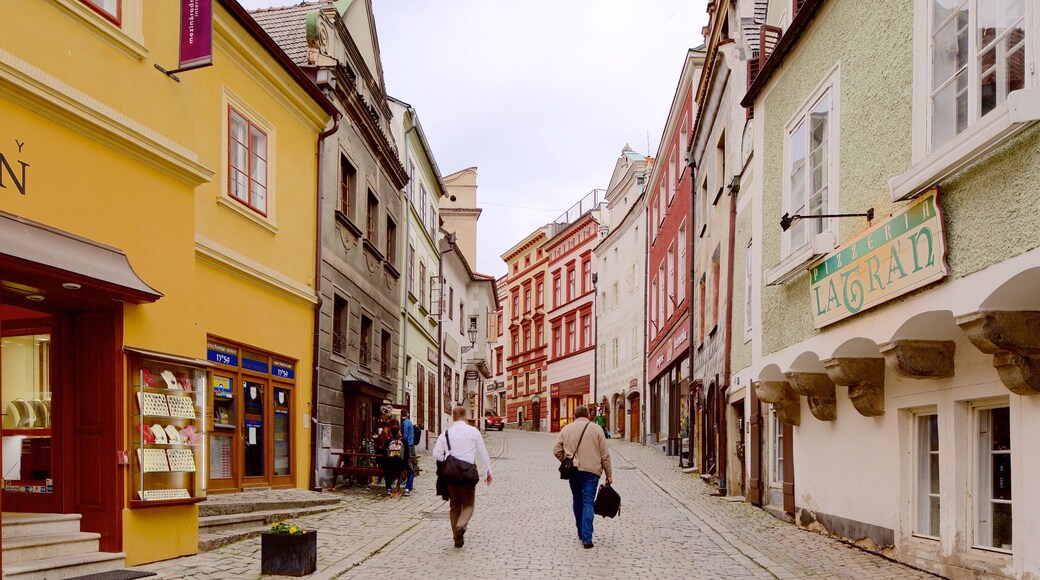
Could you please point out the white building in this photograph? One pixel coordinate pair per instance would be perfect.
(620, 312)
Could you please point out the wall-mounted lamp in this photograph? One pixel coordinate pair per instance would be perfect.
(788, 220)
(472, 334)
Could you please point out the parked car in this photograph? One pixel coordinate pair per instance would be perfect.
(493, 421)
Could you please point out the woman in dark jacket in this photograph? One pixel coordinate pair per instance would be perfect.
(395, 461)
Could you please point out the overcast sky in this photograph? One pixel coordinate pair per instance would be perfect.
(539, 95)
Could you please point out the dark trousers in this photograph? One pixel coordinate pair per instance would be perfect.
(583, 489)
(461, 499)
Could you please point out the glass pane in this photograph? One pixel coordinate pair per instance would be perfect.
(949, 41)
(950, 110)
(1000, 423)
(933, 432)
(220, 457)
(988, 91)
(933, 472)
(281, 432)
(239, 185)
(1002, 476)
(238, 127)
(257, 142)
(1016, 70)
(933, 516)
(25, 365)
(1001, 526)
(253, 394)
(258, 169)
(238, 156)
(259, 197)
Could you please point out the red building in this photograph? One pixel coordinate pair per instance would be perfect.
(572, 339)
(670, 228)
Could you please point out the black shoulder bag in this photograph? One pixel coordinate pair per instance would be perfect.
(567, 468)
(456, 471)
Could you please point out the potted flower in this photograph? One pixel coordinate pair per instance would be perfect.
(288, 550)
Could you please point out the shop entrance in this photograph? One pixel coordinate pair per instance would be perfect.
(564, 410)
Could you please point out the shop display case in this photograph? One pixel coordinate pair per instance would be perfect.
(168, 440)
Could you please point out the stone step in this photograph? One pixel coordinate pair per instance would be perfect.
(211, 541)
(21, 525)
(49, 546)
(207, 509)
(64, 566)
(250, 520)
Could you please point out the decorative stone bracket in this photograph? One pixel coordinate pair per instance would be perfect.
(783, 398)
(920, 359)
(818, 388)
(1013, 338)
(865, 378)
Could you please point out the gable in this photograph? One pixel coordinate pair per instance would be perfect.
(357, 17)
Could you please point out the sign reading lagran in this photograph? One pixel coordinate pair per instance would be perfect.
(903, 253)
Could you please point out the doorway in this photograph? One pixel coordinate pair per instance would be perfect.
(737, 473)
(634, 418)
(536, 415)
(619, 416)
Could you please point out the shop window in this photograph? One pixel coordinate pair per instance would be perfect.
(365, 347)
(247, 162)
(26, 364)
(282, 432)
(372, 223)
(926, 497)
(110, 9)
(384, 356)
(340, 319)
(391, 240)
(347, 187)
(993, 463)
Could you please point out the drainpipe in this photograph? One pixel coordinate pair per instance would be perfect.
(727, 365)
(316, 353)
(690, 286)
(595, 336)
(440, 332)
(404, 287)
(646, 321)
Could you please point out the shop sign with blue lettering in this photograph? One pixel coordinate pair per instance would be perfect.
(283, 370)
(221, 354)
(254, 365)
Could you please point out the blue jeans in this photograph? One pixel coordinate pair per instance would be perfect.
(411, 469)
(583, 488)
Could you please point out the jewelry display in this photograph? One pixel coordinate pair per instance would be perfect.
(172, 434)
(153, 460)
(183, 407)
(159, 434)
(153, 404)
(181, 459)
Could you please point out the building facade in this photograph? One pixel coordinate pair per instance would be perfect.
(120, 325)
(668, 265)
(571, 277)
(362, 216)
(897, 347)
(495, 393)
(459, 210)
(620, 307)
(420, 338)
(527, 349)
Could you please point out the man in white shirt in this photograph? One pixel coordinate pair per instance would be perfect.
(466, 445)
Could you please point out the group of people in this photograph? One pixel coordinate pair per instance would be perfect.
(395, 442)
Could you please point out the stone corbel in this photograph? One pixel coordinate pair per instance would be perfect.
(785, 401)
(818, 388)
(920, 359)
(865, 378)
(1013, 338)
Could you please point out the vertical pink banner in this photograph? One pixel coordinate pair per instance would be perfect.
(196, 34)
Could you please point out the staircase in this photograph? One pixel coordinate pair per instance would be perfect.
(221, 524)
(51, 546)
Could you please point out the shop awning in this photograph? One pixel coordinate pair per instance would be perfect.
(43, 251)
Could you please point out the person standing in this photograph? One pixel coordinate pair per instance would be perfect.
(395, 461)
(464, 442)
(586, 444)
(408, 434)
(601, 420)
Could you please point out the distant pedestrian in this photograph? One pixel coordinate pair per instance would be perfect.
(395, 461)
(586, 444)
(601, 420)
(408, 434)
(463, 442)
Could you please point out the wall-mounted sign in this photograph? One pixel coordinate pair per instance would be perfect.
(431, 355)
(283, 370)
(12, 170)
(223, 387)
(196, 34)
(254, 362)
(903, 253)
(222, 354)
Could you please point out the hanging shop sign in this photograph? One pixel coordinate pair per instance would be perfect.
(196, 34)
(901, 254)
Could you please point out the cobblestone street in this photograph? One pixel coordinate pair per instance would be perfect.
(669, 527)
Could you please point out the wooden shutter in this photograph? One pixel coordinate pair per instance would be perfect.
(788, 469)
(420, 394)
(755, 483)
(796, 6)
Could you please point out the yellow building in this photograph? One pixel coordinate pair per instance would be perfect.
(157, 260)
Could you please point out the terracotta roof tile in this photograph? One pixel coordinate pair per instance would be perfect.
(288, 26)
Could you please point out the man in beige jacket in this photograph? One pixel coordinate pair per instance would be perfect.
(585, 442)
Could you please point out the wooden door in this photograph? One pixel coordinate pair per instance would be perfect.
(754, 494)
(634, 420)
(789, 506)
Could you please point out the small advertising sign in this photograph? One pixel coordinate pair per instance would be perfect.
(196, 34)
(903, 253)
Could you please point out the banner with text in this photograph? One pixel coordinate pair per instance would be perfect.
(903, 253)
(196, 34)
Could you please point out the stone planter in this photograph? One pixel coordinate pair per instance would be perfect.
(289, 554)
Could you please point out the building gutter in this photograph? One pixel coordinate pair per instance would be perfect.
(404, 287)
(646, 324)
(727, 373)
(316, 353)
(690, 285)
(440, 331)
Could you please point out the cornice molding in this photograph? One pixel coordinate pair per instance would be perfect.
(213, 253)
(56, 100)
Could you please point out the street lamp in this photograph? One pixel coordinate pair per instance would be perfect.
(472, 333)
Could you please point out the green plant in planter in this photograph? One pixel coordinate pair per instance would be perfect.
(287, 529)
(289, 550)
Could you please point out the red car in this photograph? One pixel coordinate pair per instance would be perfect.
(493, 421)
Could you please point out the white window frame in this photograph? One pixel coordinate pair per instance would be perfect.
(673, 174)
(920, 483)
(670, 277)
(830, 88)
(776, 450)
(680, 264)
(930, 164)
(982, 484)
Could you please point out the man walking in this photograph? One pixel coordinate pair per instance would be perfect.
(408, 434)
(586, 444)
(465, 443)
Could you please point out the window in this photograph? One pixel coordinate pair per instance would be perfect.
(777, 471)
(422, 284)
(556, 291)
(541, 335)
(993, 517)
(247, 162)
(715, 276)
(926, 497)
(411, 269)
(501, 323)
(586, 276)
(347, 186)
(614, 352)
(978, 55)
(586, 331)
(540, 295)
(451, 301)
(701, 294)
(373, 217)
(391, 240)
(420, 394)
(653, 309)
(365, 352)
(571, 289)
(498, 361)
(811, 156)
(527, 339)
(516, 305)
(680, 289)
(673, 174)
(384, 357)
(422, 206)
(572, 339)
(340, 328)
(662, 295)
(557, 345)
(527, 299)
(411, 182)
(110, 9)
(462, 316)
(747, 289)
(527, 260)
(670, 262)
(617, 294)
(433, 220)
